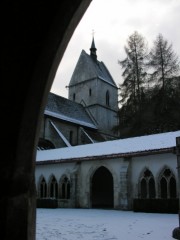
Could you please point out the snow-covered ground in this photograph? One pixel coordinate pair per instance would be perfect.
(96, 224)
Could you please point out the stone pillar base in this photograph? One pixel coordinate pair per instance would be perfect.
(176, 233)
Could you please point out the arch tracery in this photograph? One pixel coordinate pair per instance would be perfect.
(147, 184)
(167, 183)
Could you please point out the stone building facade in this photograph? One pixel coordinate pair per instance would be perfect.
(112, 174)
(87, 166)
(92, 85)
(66, 123)
(91, 111)
(40, 33)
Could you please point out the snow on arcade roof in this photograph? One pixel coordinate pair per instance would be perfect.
(122, 147)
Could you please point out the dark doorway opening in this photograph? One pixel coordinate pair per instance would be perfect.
(102, 194)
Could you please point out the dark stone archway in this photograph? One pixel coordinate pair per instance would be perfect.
(102, 193)
(34, 36)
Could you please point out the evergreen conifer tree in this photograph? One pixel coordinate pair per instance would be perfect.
(163, 62)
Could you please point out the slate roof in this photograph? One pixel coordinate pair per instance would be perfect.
(91, 68)
(67, 110)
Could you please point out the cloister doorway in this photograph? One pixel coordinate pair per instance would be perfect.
(102, 194)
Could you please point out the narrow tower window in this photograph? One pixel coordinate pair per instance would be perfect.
(74, 96)
(90, 92)
(107, 98)
(71, 137)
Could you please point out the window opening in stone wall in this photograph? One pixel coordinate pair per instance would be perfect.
(71, 137)
(65, 188)
(172, 184)
(147, 185)
(163, 185)
(43, 188)
(152, 192)
(107, 98)
(167, 184)
(53, 188)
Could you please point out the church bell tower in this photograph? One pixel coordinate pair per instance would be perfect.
(92, 85)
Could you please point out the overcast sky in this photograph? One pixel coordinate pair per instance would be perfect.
(113, 21)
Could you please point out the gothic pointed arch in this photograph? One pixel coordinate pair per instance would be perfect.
(102, 188)
(146, 184)
(53, 187)
(94, 168)
(42, 187)
(64, 187)
(167, 187)
(40, 47)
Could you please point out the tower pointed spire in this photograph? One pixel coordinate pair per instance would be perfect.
(93, 49)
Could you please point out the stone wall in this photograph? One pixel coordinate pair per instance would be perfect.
(126, 174)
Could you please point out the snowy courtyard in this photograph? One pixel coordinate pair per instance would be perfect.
(96, 224)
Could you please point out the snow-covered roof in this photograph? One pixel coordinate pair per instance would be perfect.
(149, 143)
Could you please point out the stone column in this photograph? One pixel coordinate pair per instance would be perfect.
(124, 186)
(73, 190)
(176, 231)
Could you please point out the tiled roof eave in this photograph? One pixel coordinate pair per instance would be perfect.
(109, 156)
